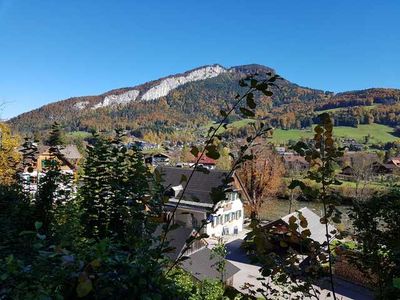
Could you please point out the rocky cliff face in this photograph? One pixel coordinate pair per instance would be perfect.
(118, 99)
(166, 85)
(155, 89)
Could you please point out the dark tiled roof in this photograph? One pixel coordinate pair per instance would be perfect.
(200, 185)
(177, 240)
(69, 151)
(201, 266)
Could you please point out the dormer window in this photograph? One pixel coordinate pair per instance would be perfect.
(177, 189)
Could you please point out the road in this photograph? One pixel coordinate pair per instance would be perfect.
(249, 273)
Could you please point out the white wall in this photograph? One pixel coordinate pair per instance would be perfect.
(232, 207)
(185, 217)
(235, 206)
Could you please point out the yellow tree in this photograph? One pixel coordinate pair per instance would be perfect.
(224, 162)
(9, 155)
(261, 176)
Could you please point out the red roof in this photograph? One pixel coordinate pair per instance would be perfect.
(204, 160)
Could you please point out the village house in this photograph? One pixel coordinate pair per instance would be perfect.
(280, 227)
(395, 161)
(68, 163)
(382, 169)
(294, 162)
(280, 150)
(224, 217)
(204, 161)
(352, 145)
(157, 159)
(143, 145)
(200, 262)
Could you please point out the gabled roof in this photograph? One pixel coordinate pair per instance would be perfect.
(69, 152)
(395, 161)
(317, 229)
(202, 266)
(204, 160)
(177, 240)
(293, 158)
(199, 187)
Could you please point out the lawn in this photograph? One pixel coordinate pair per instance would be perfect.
(78, 134)
(379, 133)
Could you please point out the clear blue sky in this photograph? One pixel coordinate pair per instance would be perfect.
(52, 50)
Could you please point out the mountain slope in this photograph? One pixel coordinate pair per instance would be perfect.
(191, 98)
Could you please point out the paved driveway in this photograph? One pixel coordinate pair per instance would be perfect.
(249, 273)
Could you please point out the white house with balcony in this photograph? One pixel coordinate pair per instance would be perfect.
(222, 218)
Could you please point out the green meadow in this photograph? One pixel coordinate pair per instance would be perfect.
(378, 133)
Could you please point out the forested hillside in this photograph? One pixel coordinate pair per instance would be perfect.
(195, 98)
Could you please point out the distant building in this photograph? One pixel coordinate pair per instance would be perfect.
(382, 169)
(395, 161)
(197, 203)
(68, 162)
(204, 161)
(157, 159)
(352, 145)
(143, 146)
(280, 150)
(294, 162)
(347, 172)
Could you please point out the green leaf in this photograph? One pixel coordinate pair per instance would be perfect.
(306, 233)
(246, 112)
(84, 288)
(396, 282)
(296, 183)
(195, 151)
(212, 152)
(250, 101)
(174, 226)
(41, 236)
(38, 225)
(183, 178)
(303, 222)
(96, 263)
(25, 232)
(267, 93)
(204, 236)
(283, 244)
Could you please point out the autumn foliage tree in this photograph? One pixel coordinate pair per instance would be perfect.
(9, 155)
(262, 176)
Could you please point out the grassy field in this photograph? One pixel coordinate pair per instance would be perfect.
(333, 110)
(78, 134)
(379, 134)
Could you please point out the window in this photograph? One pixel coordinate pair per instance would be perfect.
(226, 218)
(240, 213)
(233, 216)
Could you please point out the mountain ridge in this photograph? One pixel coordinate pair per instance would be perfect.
(184, 96)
